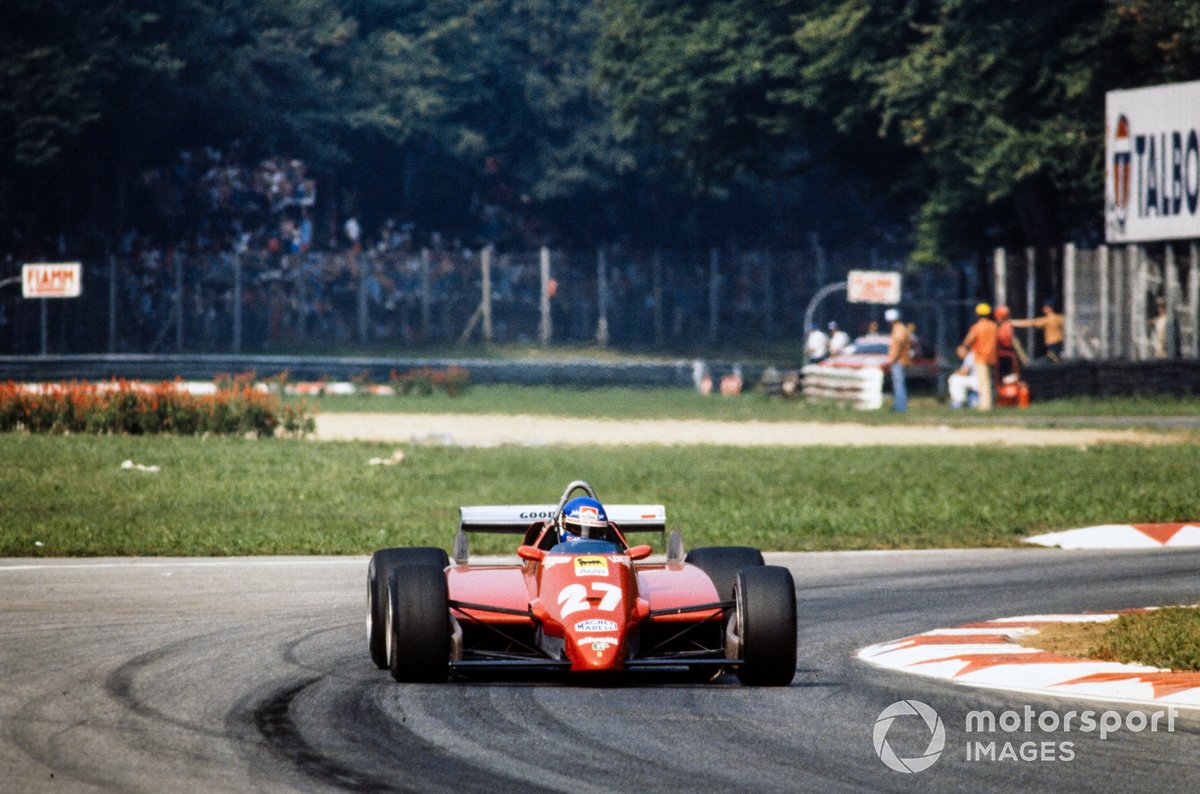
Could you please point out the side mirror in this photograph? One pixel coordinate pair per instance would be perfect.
(461, 549)
(675, 552)
(639, 552)
(531, 553)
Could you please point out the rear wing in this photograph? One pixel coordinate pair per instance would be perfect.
(515, 519)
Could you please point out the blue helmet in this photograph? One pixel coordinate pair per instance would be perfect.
(582, 517)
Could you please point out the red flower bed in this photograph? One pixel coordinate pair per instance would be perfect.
(130, 407)
(425, 381)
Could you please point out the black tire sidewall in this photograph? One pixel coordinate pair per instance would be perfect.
(765, 600)
(383, 562)
(420, 623)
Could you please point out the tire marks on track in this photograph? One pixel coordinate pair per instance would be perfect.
(272, 719)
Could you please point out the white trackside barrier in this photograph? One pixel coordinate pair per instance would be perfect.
(861, 388)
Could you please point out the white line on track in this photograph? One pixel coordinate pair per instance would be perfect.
(181, 564)
(219, 563)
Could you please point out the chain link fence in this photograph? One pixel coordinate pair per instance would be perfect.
(159, 302)
(1132, 303)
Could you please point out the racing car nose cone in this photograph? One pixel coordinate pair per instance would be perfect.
(596, 653)
(595, 643)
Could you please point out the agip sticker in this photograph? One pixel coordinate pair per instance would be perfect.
(591, 566)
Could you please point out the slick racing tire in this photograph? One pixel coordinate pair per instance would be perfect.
(383, 562)
(722, 564)
(418, 621)
(765, 599)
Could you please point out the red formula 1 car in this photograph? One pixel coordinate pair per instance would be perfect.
(581, 600)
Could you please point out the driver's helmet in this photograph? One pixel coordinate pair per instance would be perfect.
(582, 517)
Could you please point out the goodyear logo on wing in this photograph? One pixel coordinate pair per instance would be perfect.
(591, 566)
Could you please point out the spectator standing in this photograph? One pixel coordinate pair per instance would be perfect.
(1158, 329)
(838, 340)
(899, 356)
(353, 234)
(816, 345)
(981, 340)
(1051, 326)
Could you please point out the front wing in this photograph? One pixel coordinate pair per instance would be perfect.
(495, 630)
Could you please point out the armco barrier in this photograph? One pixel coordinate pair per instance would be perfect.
(860, 388)
(1047, 381)
(561, 372)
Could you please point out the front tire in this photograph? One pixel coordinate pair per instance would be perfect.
(383, 562)
(765, 599)
(418, 619)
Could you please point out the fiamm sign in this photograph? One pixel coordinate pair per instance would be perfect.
(873, 286)
(1152, 163)
(52, 280)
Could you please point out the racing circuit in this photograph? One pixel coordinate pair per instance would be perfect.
(253, 674)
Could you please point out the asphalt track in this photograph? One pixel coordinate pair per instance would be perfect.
(253, 675)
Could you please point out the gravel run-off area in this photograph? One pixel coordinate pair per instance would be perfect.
(487, 430)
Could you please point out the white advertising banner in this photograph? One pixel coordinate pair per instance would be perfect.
(1152, 163)
(52, 280)
(873, 286)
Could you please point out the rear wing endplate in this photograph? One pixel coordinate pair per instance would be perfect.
(515, 519)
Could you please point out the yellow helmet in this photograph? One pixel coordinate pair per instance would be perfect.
(983, 310)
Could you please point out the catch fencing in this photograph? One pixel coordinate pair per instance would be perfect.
(164, 302)
(1119, 303)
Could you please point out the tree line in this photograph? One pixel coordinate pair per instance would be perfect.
(939, 127)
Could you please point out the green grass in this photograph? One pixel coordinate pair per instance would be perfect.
(221, 496)
(1167, 638)
(630, 403)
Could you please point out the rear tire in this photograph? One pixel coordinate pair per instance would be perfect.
(722, 564)
(383, 562)
(418, 619)
(766, 624)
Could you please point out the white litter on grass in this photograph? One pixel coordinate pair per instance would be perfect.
(396, 457)
(433, 439)
(38, 543)
(129, 464)
(443, 439)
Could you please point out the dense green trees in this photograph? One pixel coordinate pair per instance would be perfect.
(981, 120)
(972, 122)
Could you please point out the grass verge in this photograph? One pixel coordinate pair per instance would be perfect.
(220, 496)
(1167, 638)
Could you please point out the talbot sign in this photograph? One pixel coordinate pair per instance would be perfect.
(52, 280)
(1152, 163)
(873, 286)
